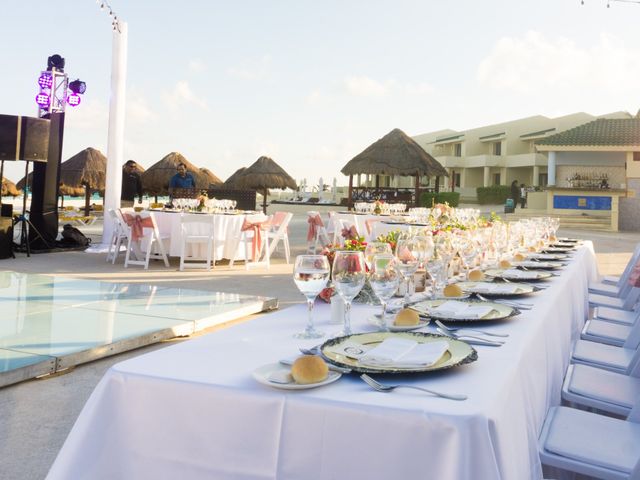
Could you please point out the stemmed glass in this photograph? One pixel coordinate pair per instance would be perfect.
(349, 275)
(376, 248)
(408, 255)
(384, 279)
(311, 274)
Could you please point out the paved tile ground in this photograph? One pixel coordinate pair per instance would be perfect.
(36, 416)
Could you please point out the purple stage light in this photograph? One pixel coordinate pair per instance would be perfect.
(45, 81)
(43, 100)
(73, 100)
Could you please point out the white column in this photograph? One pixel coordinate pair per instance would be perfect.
(115, 145)
(486, 181)
(536, 176)
(551, 169)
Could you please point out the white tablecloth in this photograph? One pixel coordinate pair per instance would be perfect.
(227, 230)
(193, 411)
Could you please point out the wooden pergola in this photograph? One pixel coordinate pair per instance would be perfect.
(394, 154)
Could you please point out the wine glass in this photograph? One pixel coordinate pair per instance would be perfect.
(376, 248)
(311, 274)
(384, 279)
(348, 278)
(407, 253)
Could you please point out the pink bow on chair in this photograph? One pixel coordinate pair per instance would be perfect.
(256, 242)
(314, 223)
(350, 233)
(634, 278)
(137, 224)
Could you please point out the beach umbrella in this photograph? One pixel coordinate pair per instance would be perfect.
(394, 154)
(263, 175)
(9, 188)
(231, 181)
(155, 180)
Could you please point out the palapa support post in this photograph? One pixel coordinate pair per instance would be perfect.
(350, 199)
(417, 189)
(87, 200)
(264, 201)
(437, 183)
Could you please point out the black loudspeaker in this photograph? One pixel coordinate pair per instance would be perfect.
(6, 237)
(6, 210)
(24, 138)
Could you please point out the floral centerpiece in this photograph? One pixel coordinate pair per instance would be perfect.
(377, 207)
(202, 202)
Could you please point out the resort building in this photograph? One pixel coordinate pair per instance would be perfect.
(500, 153)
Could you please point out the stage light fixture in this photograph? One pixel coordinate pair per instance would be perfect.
(43, 100)
(78, 86)
(73, 100)
(45, 81)
(55, 61)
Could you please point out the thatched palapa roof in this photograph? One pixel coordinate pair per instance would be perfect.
(213, 179)
(263, 174)
(155, 180)
(231, 181)
(394, 154)
(9, 188)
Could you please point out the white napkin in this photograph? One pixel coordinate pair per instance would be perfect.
(455, 309)
(515, 273)
(496, 288)
(405, 353)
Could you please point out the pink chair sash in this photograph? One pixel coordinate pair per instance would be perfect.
(634, 278)
(314, 223)
(256, 242)
(137, 224)
(278, 218)
(350, 233)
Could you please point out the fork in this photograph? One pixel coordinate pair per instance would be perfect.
(471, 339)
(451, 329)
(520, 306)
(389, 388)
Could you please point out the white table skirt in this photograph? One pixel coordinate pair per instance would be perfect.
(193, 411)
(227, 230)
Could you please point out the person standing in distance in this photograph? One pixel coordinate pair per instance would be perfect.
(182, 179)
(131, 185)
(515, 193)
(523, 195)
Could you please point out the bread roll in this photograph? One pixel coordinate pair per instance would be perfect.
(476, 276)
(406, 317)
(531, 249)
(553, 239)
(518, 257)
(505, 263)
(309, 369)
(452, 290)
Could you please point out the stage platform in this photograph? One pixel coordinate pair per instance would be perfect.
(49, 324)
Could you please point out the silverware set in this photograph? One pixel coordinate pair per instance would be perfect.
(380, 387)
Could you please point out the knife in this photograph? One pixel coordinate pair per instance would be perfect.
(335, 368)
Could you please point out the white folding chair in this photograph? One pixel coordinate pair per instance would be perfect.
(618, 288)
(603, 390)
(611, 333)
(151, 239)
(246, 242)
(279, 232)
(119, 236)
(615, 359)
(627, 302)
(317, 233)
(592, 444)
(196, 230)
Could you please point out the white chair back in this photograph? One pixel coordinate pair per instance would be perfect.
(197, 229)
(280, 233)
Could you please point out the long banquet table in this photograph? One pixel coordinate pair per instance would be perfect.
(193, 411)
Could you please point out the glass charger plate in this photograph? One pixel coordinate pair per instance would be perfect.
(558, 250)
(458, 352)
(524, 275)
(375, 320)
(570, 240)
(485, 289)
(547, 256)
(264, 373)
(538, 265)
(498, 311)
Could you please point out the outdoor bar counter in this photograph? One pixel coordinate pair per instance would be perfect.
(576, 201)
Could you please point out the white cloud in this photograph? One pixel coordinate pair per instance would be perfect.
(196, 65)
(364, 86)
(535, 63)
(252, 70)
(183, 95)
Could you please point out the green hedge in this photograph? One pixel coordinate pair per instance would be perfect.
(497, 194)
(427, 199)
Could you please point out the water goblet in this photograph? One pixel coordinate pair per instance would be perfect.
(310, 274)
(408, 255)
(376, 248)
(348, 277)
(384, 279)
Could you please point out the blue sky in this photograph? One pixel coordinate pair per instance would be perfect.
(311, 84)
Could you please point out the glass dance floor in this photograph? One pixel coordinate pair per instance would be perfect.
(48, 324)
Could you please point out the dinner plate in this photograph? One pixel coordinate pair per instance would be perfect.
(538, 265)
(570, 245)
(338, 350)
(498, 311)
(570, 240)
(524, 275)
(547, 256)
(484, 289)
(558, 250)
(275, 370)
(375, 319)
